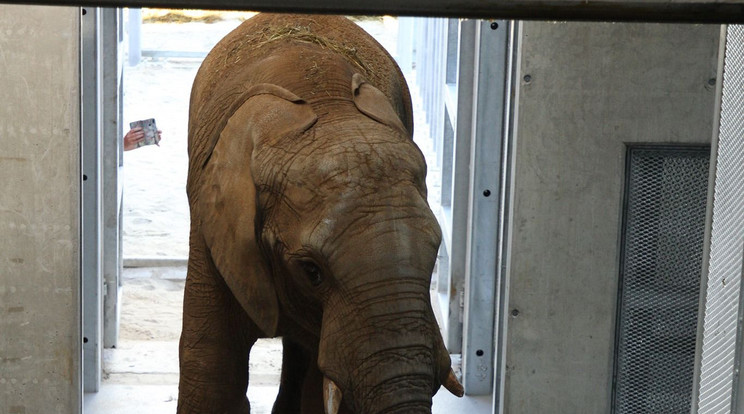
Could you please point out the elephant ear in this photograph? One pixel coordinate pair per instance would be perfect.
(228, 197)
(372, 102)
(252, 92)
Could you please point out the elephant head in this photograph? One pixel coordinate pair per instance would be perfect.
(315, 214)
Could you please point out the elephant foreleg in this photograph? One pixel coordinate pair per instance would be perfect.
(215, 342)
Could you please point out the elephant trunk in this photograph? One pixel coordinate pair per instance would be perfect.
(386, 383)
(379, 341)
(333, 397)
(392, 361)
(399, 387)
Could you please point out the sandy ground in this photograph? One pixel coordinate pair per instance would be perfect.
(143, 369)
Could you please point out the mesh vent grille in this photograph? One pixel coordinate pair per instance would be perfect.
(661, 265)
(724, 276)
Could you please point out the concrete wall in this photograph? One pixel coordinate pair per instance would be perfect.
(39, 210)
(592, 88)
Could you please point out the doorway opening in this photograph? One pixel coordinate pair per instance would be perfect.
(161, 54)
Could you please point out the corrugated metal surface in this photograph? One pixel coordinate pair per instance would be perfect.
(666, 199)
(722, 299)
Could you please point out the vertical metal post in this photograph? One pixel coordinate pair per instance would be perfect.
(447, 80)
(439, 55)
(501, 311)
(404, 47)
(111, 191)
(90, 79)
(452, 292)
(135, 36)
(486, 220)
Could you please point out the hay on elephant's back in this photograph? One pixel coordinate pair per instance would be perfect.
(272, 34)
(182, 18)
(156, 15)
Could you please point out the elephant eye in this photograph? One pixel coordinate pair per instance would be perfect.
(312, 272)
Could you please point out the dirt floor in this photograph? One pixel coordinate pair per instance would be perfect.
(142, 371)
(151, 313)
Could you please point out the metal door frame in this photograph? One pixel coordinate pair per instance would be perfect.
(100, 111)
(686, 11)
(91, 153)
(488, 195)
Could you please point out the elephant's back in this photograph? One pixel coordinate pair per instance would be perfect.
(227, 64)
(230, 67)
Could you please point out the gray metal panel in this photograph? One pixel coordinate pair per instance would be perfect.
(90, 81)
(727, 235)
(663, 232)
(593, 88)
(485, 200)
(713, 11)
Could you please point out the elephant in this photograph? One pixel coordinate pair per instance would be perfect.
(309, 222)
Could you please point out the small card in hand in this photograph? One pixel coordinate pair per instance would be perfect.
(150, 129)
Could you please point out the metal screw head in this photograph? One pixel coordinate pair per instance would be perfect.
(515, 312)
(712, 81)
(527, 78)
(494, 25)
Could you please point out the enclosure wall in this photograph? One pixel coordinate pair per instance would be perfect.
(39, 210)
(585, 91)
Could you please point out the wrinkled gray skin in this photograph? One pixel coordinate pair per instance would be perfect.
(309, 221)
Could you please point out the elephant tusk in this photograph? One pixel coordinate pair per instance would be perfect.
(453, 385)
(331, 396)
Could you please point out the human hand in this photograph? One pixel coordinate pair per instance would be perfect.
(133, 138)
